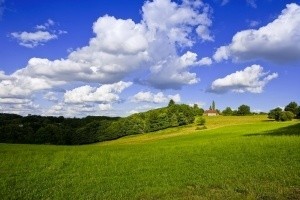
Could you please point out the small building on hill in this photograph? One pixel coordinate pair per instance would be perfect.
(211, 113)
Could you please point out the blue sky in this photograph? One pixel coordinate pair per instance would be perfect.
(96, 57)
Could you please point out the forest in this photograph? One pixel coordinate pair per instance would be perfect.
(35, 129)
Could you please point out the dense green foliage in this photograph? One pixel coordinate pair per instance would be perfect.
(35, 129)
(227, 111)
(275, 113)
(292, 107)
(59, 130)
(232, 159)
(292, 110)
(243, 110)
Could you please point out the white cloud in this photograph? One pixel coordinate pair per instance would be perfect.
(172, 72)
(253, 23)
(133, 112)
(156, 45)
(51, 96)
(18, 106)
(80, 110)
(46, 25)
(171, 26)
(278, 41)
(154, 98)
(252, 79)
(14, 101)
(252, 3)
(105, 106)
(33, 39)
(3, 76)
(103, 94)
(39, 37)
(175, 20)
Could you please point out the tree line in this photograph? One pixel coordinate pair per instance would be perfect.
(290, 111)
(34, 129)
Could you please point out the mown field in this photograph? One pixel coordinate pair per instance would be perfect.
(234, 158)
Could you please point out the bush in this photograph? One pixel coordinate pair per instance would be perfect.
(275, 114)
(286, 116)
(200, 121)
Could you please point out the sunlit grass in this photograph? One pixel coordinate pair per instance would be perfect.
(235, 158)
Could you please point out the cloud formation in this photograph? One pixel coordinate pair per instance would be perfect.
(278, 41)
(155, 98)
(42, 35)
(156, 45)
(252, 79)
(104, 94)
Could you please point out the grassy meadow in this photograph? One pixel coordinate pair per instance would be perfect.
(234, 158)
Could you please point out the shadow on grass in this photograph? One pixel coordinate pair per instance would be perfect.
(293, 130)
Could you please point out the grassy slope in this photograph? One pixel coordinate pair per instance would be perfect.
(236, 157)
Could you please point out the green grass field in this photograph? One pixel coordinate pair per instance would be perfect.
(235, 158)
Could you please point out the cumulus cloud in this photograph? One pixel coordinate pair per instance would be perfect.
(105, 106)
(18, 106)
(157, 45)
(104, 94)
(46, 25)
(154, 98)
(80, 110)
(252, 79)
(170, 26)
(51, 96)
(39, 37)
(33, 39)
(172, 72)
(3, 76)
(278, 41)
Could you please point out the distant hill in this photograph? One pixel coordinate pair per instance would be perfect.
(34, 129)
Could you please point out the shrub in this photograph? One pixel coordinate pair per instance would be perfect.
(200, 121)
(286, 116)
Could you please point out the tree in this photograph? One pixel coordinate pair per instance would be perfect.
(275, 114)
(171, 103)
(198, 111)
(227, 111)
(244, 110)
(292, 107)
(286, 116)
(182, 120)
(298, 112)
(200, 121)
(213, 105)
(174, 121)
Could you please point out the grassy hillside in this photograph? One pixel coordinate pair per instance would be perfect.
(236, 157)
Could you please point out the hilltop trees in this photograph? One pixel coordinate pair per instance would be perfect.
(59, 130)
(198, 111)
